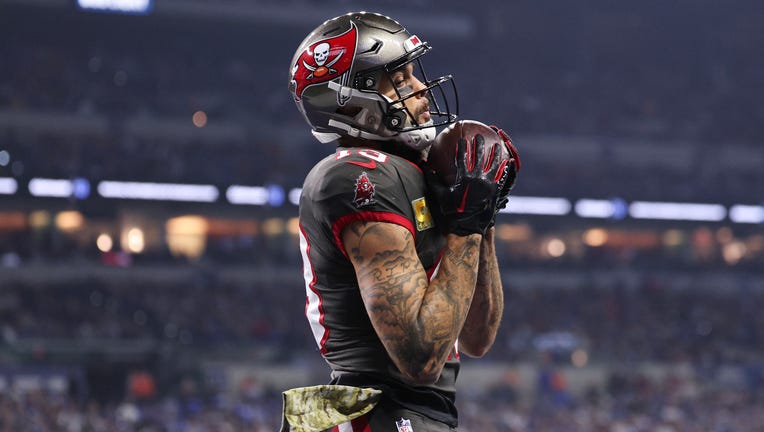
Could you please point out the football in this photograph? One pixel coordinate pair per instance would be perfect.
(442, 156)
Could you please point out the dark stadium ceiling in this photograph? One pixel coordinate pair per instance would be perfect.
(301, 14)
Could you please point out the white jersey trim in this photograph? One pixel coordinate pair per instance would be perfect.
(314, 309)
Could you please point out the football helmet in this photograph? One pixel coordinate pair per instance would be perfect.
(335, 78)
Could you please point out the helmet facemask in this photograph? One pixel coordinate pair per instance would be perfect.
(409, 127)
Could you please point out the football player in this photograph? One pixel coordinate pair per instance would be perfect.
(394, 294)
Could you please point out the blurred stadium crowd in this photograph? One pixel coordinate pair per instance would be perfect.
(621, 324)
(630, 403)
(628, 319)
(197, 100)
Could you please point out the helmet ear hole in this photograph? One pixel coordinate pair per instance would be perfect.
(367, 82)
(395, 119)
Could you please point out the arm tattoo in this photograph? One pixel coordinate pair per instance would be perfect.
(418, 321)
(487, 306)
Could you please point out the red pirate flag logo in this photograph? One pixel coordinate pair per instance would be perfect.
(364, 191)
(324, 60)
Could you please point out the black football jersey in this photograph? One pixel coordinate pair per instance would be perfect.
(360, 184)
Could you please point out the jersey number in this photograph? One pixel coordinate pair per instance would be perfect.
(373, 156)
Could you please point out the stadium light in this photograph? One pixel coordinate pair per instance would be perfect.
(44, 187)
(118, 6)
(538, 206)
(275, 195)
(593, 208)
(253, 195)
(294, 195)
(158, 191)
(677, 211)
(747, 213)
(8, 185)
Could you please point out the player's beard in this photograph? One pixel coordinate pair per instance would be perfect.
(422, 116)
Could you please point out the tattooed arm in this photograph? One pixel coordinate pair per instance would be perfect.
(487, 306)
(418, 321)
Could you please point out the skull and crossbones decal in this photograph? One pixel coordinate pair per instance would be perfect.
(324, 60)
(320, 55)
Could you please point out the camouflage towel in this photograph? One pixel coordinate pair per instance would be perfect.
(317, 408)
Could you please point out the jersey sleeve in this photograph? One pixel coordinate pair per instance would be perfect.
(357, 189)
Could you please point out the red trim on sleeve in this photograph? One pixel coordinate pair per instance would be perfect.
(368, 216)
(415, 165)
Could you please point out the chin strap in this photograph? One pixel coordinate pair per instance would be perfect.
(325, 137)
(418, 139)
(355, 132)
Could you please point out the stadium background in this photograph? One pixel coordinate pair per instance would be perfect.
(150, 278)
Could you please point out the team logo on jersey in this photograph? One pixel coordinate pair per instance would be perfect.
(422, 214)
(325, 60)
(404, 425)
(364, 191)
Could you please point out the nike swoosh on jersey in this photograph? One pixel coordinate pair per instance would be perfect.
(368, 165)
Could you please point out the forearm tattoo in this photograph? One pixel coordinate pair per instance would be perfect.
(489, 278)
(418, 321)
(487, 307)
